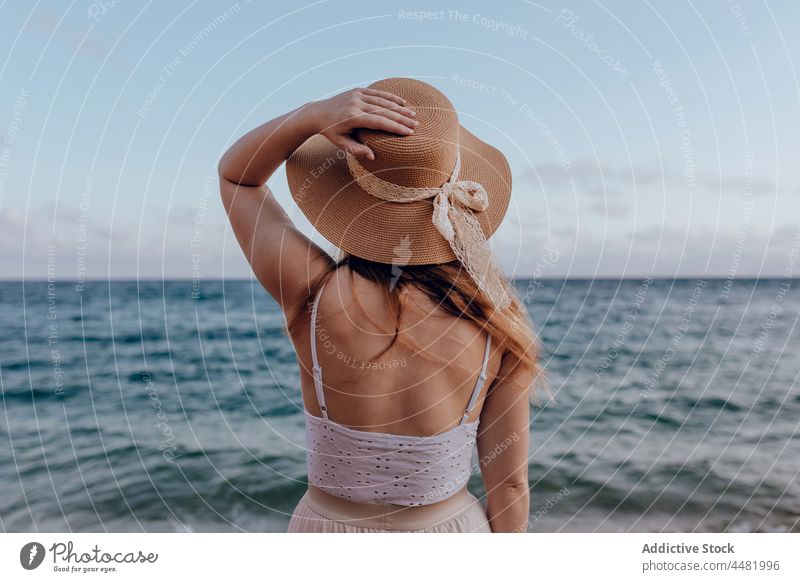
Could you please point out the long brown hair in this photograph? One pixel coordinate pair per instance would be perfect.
(448, 286)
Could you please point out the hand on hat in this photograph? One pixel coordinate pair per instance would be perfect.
(337, 117)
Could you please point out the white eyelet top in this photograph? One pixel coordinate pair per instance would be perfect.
(373, 467)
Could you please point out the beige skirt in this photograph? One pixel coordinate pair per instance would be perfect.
(319, 512)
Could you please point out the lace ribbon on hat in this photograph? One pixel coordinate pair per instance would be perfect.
(454, 205)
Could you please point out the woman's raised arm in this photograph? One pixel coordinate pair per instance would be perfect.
(282, 258)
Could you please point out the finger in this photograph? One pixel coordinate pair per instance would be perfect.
(386, 104)
(393, 115)
(373, 121)
(386, 95)
(351, 146)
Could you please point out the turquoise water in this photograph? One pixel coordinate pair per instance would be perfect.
(136, 406)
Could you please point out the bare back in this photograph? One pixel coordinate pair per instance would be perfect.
(400, 391)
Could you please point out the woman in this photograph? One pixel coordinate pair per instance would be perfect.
(412, 340)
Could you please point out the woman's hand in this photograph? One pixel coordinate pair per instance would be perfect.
(337, 118)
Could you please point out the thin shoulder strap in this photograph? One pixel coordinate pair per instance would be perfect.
(316, 370)
(481, 380)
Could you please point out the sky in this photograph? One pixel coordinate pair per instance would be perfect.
(645, 139)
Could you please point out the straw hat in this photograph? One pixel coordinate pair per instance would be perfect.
(427, 198)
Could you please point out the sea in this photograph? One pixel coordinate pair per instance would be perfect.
(152, 406)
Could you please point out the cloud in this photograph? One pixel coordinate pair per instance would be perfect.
(76, 41)
(659, 250)
(604, 221)
(609, 181)
(534, 239)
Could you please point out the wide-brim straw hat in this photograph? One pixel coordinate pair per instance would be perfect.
(331, 188)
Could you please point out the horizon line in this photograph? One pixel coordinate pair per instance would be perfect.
(548, 278)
